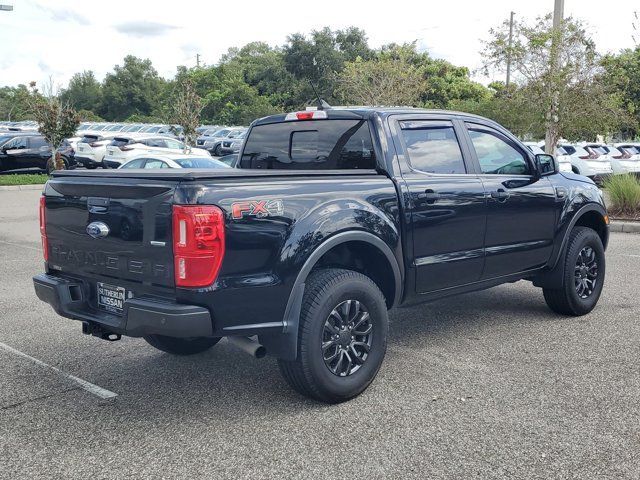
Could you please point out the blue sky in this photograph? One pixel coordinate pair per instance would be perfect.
(42, 39)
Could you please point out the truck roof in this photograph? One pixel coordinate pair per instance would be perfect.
(360, 112)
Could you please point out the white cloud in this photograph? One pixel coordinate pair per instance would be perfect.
(40, 40)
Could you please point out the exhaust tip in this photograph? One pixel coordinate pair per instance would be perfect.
(249, 346)
(260, 352)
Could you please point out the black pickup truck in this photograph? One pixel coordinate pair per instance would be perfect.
(332, 218)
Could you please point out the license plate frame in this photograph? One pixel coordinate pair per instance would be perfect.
(110, 298)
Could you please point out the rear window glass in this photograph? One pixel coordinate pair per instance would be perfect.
(310, 145)
(89, 138)
(599, 150)
(569, 149)
(120, 142)
(631, 150)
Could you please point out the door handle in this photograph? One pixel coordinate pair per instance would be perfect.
(429, 196)
(500, 195)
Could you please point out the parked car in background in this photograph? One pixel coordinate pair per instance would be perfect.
(563, 160)
(231, 160)
(232, 145)
(203, 128)
(125, 147)
(211, 139)
(24, 151)
(620, 162)
(587, 164)
(629, 154)
(158, 130)
(150, 160)
(216, 147)
(92, 148)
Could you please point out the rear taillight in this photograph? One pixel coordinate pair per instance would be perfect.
(43, 229)
(198, 244)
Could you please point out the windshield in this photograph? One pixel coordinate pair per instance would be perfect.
(200, 163)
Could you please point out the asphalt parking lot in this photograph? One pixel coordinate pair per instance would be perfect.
(488, 385)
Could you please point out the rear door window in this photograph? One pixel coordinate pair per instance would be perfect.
(137, 163)
(310, 145)
(432, 146)
(37, 142)
(155, 164)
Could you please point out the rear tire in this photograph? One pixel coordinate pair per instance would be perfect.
(342, 336)
(584, 273)
(181, 346)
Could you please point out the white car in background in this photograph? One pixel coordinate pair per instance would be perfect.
(629, 155)
(619, 164)
(92, 147)
(563, 160)
(151, 160)
(125, 147)
(584, 163)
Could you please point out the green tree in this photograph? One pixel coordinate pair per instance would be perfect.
(56, 119)
(622, 72)
(186, 107)
(263, 68)
(133, 88)
(385, 80)
(14, 103)
(84, 92)
(320, 56)
(443, 81)
(561, 71)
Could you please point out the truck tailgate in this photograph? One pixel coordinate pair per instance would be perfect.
(112, 230)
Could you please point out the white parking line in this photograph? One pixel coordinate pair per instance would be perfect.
(89, 387)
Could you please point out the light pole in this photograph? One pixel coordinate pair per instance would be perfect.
(551, 136)
(509, 52)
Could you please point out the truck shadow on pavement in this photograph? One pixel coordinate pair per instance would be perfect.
(225, 381)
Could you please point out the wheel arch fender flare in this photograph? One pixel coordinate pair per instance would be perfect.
(285, 345)
(553, 276)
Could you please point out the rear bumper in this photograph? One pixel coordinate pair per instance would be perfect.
(112, 163)
(87, 161)
(141, 316)
(228, 150)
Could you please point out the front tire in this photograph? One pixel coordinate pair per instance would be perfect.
(584, 273)
(181, 346)
(342, 336)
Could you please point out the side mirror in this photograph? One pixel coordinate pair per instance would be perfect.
(546, 164)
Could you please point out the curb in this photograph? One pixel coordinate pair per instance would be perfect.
(624, 227)
(8, 188)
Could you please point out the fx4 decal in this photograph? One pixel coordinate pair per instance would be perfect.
(257, 208)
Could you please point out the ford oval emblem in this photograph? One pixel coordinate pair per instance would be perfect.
(98, 229)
